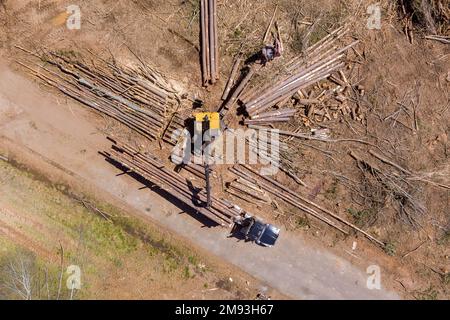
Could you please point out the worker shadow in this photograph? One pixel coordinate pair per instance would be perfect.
(238, 237)
(184, 208)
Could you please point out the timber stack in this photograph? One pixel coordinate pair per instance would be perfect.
(139, 98)
(209, 41)
(319, 62)
(151, 169)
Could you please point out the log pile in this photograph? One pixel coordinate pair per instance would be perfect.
(197, 170)
(269, 117)
(247, 74)
(277, 190)
(209, 41)
(249, 192)
(139, 98)
(176, 122)
(319, 62)
(232, 78)
(151, 169)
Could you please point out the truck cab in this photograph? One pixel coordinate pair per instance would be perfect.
(257, 231)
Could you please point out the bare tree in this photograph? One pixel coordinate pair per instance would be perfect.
(18, 276)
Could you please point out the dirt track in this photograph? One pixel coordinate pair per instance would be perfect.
(65, 135)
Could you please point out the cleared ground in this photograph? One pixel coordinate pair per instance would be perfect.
(392, 69)
(294, 267)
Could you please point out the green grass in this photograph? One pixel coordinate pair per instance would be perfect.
(331, 192)
(428, 294)
(237, 33)
(59, 204)
(446, 279)
(115, 239)
(193, 260)
(362, 217)
(187, 273)
(390, 249)
(302, 223)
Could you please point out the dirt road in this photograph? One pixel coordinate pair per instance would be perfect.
(62, 132)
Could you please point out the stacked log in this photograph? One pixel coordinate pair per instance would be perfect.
(175, 124)
(151, 169)
(231, 78)
(197, 170)
(247, 192)
(281, 115)
(247, 75)
(137, 98)
(320, 62)
(209, 41)
(292, 198)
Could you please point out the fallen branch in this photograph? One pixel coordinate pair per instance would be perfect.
(385, 160)
(442, 39)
